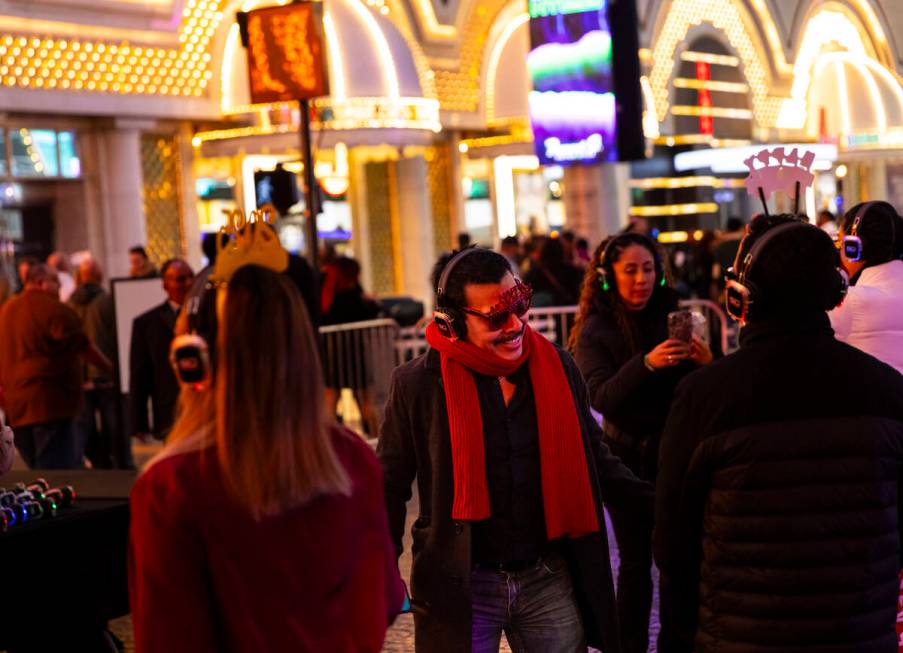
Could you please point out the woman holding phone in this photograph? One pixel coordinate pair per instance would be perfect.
(261, 525)
(632, 364)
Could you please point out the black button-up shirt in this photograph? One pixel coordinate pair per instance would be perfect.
(516, 529)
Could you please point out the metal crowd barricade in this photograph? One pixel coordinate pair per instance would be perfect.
(360, 356)
(717, 322)
(554, 322)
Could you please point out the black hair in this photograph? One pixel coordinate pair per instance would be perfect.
(879, 230)
(552, 256)
(582, 243)
(138, 249)
(593, 297)
(734, 224)
(464, 240)
(208, 244)
(482, 267)
(796, 273)
(510, 241)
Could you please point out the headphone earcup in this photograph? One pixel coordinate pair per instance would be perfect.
(843, 285)
(449, 323)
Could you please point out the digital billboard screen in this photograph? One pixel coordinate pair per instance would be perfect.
(572, 104)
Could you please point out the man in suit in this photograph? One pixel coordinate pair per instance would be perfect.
(150, 374)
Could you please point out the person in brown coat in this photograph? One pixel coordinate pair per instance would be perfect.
(41, 342)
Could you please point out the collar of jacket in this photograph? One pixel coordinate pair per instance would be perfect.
(808, 324)
(881, 275)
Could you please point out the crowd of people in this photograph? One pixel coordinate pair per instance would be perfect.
(763, 484)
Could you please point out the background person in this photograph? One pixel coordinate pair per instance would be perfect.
(777, 506)
(59, 262)
(104, 441)
(41, 344)
(150, 375)
(871, 317)
(261, 527)
(140, 266)
(620, 340)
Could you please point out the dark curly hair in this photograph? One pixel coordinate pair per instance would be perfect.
(592, 294)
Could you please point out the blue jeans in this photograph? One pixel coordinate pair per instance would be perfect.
(536, 608)
(53, 445)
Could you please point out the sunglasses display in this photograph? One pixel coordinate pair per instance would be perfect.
(516, 300)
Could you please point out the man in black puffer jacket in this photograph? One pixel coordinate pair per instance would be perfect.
(777, 516)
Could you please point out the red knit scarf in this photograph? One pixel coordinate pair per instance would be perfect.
(566, 493)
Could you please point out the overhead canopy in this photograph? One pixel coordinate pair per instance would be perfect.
(378, 93)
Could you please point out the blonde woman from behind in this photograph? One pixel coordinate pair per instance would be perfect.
(261, 526)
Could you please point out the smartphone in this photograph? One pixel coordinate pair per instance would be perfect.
(680, 326)
(406, 604)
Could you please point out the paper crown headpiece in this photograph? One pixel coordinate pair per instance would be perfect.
(251, 241)
(790, 173)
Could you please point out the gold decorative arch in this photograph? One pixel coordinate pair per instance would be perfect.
(732, 19)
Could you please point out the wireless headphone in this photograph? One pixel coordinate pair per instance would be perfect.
(742, 294)
(659, 266)
(448, 320)
(189, 354)
(852, 244)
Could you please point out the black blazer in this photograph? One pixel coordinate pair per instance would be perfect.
(150, 374)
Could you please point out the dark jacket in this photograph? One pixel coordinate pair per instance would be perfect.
(777, 518)
(631, 398)
(414, 442)
(150, 374)
(94, 307)
(350, 305)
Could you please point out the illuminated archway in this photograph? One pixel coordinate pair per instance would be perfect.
(731, 18)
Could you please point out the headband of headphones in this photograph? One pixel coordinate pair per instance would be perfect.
(449, 267)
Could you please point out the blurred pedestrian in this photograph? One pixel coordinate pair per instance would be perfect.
(583, 256)
(255, 464)
(632, 365)
(150, 374)
(555, 282)
(105, 442)
(777, 523)
(59, 262)
(825, 221)
(140, 266)
(871, 318)
(22, 268)
(464, 240)
(41, 344)
(348, 367)
(510, 249)
(494, 425)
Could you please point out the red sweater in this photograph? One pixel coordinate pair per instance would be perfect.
(204, 576)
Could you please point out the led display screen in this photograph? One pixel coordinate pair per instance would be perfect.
(572, 103)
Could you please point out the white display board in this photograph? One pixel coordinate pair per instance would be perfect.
(131, 298)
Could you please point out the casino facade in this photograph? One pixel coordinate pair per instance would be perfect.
(128, 122)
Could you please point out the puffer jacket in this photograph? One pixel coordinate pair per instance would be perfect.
(777, 516)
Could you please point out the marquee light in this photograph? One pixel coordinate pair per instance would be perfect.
(715, 112)
(503, 169)
(381, 45)
(672, 210)
(730, 160)
(711, 85)
(650, 122)
(335, 58)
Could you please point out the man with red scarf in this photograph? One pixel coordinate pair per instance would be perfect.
(494, 424)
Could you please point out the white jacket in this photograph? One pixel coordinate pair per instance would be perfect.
(871, 318)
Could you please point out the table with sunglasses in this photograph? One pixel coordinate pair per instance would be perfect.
(64, 577)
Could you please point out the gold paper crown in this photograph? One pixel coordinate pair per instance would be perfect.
(251, 242)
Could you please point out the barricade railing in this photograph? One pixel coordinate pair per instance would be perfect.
(716, 319)
(360, 356)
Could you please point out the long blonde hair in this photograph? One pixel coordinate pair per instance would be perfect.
(264, 414)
